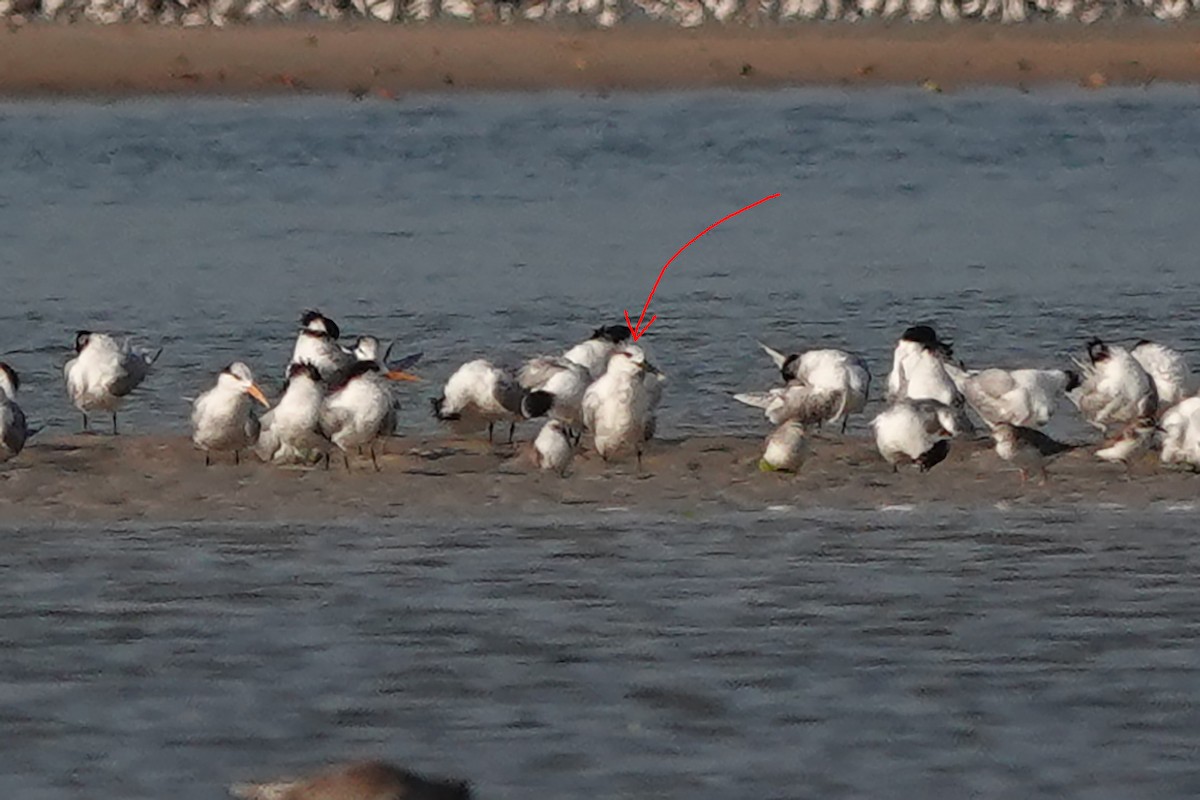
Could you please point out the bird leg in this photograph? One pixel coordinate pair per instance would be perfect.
(512, 428)
(85, 424)
(491, 425)
(346, 458)
(638, 450)
(237, 457)
(371, 450)
(207, 460)
(845, 420)
(326, 460)
(114, 423)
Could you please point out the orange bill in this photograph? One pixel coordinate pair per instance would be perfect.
(400, 375)
(258, 395)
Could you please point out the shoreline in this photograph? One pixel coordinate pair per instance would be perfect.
(384, 62)
(94, 478)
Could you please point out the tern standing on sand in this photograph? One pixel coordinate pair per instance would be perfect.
(1116, 389)
(915, 431)
(360, 408)
(104, 372)
(616, 408)
(221, 417)
(13, 429)
(786, 448)
(828, 372)
(480, 393)
(552, 449)
(291, 431)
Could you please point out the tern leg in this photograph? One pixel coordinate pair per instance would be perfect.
(207, 460)
(346, 458)
(371, 450)
(85, 424)
(845, 420)
(326, 460)
(512, 428)
(114, 423)
(491, 425)
(237, 457)
(639, 458)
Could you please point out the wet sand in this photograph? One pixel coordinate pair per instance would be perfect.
(383, 62)
(128, 478)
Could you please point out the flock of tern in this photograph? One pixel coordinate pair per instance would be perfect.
(1137, 397)
(602, 13)
(339, 398)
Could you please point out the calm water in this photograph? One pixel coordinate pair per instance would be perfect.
(827, 656)
(844, 655)
(512, 224)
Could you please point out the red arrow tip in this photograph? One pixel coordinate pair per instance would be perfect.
(634, 330)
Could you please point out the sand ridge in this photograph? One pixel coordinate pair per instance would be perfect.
(89, 478)
(380, 62)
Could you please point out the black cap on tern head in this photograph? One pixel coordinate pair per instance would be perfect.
(611, 333)
(1073, 381)
(81, 340)
(1097, 350)
(927, 337)
(312, 315)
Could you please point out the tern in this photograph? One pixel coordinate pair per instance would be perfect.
(221, 417)
(104, 372)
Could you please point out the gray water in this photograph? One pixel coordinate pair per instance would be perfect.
(508, 225)
(837, 655)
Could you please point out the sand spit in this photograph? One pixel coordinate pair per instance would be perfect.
(153, 478)
(381, 63)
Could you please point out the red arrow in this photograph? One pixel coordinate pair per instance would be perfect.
(636, 331)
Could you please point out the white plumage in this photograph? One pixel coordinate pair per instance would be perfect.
(1181, 433)
(828, 372)
(1023, 397)
(797, 402)
(616, 407)
(14, 431)
(915, 431)
(317, 344)
(918, 368)
(104, 372)
(593, 353)
(221, 417)
(479, 393)
(291, 431)
(1116, 390)
(359, 409)
(564, 380)
(552, 448)
(1167, 368)
(786, 448)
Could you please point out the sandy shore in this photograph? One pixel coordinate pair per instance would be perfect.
(103, 478)
(383, 62)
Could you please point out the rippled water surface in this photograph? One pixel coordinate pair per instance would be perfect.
(843, 655)
(919, 655)
(511, 224)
